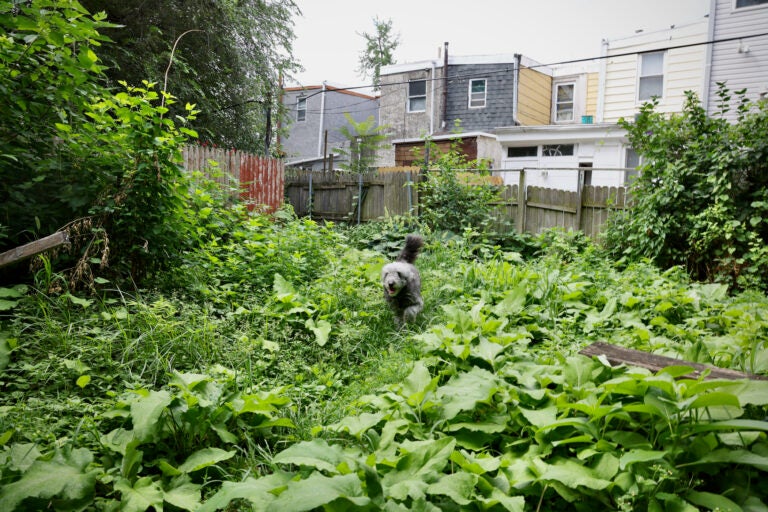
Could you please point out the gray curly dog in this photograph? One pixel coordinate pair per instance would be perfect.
(402, 282)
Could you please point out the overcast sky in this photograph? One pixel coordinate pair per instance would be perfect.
(328, 40)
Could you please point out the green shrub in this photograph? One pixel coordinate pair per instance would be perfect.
(701, 200)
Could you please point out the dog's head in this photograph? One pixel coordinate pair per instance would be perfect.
(392, 281)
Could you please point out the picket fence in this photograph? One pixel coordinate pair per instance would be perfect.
(354, 198)
(257, 181)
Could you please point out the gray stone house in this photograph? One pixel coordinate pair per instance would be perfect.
(314, 116)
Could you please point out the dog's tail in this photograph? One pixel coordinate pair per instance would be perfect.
(413, 243)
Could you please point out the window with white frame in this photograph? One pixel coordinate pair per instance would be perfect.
(477, 93)
(632, 164)
(417, 96)
(750, 3)
(301, 109)
(557, 150)
(564, 102)
(651, 81)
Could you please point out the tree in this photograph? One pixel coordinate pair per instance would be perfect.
(701, 200)
(379, 50)
(364, 139)
(229, 58)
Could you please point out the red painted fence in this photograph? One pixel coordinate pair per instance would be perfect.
(258, 181)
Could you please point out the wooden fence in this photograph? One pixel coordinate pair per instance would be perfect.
(545, 208)
(334, 196)
(343, 196)
(257, 181)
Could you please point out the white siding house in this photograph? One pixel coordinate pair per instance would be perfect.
(741, 60)
(663, 63)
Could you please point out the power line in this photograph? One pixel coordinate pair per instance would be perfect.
(572, 61)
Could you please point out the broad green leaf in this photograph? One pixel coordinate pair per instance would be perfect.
(510, 503)
(540, 418)
(633, 456)
(571, 474)
(712, 501)
(5, 353)
(473, 463)
(146, 412)
(83, 380)
(465, 391)
(15, 292)
(22, 456)
(84, 303)
(359, 424)
(183, 493)
(753, 392)
(735, 424)
(140, 497)
(319, 490)
(418, 386)
(321, 330)
(257, 491)
(421, 464)
(729, 456)
(7, 305)
(316, 454)
(512, 303)
(487, 351)
(282, 288)
(64, 476)
(459, 487)
(6, 436)
(204, 458)
(188, 381)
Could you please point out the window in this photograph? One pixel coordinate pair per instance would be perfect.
(477, 93)
(749, 3)
(301, 109)
(417, 96)
(651, 76)
(564, 94)
(632, 163)
(525, 151)
(557, 150)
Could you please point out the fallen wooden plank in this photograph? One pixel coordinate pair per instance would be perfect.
(620, 355)
(28, 250)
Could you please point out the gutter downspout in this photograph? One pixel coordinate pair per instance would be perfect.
(432, 101)
(601, 81)
(515, 87)
(322, 122)
(445, 86)
(708, 55)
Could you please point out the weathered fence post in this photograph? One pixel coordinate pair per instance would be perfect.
(579, 197)
(409, 184)
(359, 196)
(520, 221)
(309, 199)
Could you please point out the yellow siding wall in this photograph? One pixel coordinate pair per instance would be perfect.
(593, 90)
(534, 105)
(683, 70)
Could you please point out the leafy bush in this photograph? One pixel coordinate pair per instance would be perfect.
(451, 202)
(701, 200)
(103, 165)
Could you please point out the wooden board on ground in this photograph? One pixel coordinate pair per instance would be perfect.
(654, 363)
(27, 250)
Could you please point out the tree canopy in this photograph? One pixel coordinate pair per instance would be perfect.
(379, 50)
(227, 57)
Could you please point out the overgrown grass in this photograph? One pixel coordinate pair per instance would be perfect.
(279, 335)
